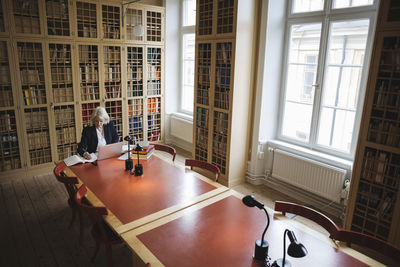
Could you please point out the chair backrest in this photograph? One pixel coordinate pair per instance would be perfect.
(309, 213)
(95, 213)
(69, 182)
(167, 149)
(203, 165)
(370, 242)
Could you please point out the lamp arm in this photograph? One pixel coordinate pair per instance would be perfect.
(284, 247)
(266, 227)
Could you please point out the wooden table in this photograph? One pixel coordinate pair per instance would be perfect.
(133, 201)
(221, 231)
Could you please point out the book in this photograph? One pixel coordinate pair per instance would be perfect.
(134, 155)
(75, 159)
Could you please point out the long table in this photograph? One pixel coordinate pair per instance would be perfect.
(132, 201)
(221, 231)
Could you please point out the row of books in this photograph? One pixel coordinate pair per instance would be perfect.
(223, 76)
(90, 93)
(153, 72)
(89, 73)
(112, 72)
(154, 54)
(202, 117)
(60, 53)
(135, 107)
(30, 52)
(34, 96)
(40, 156)
(7, 122)
(4, 74)
(112, 54)
(6, 97)
(154, 88)
(134, 89)
(153, 122)
(11, 163)
(66, 135)
(64, 115)
(153, 136)
(153, 105)
(387, 99)
(135, 73)
(220, 145)
(61, 74)
(27, 24)
(64, 151)
(224, 52)
(221, 99)
(87, 30)
(9, 144)
(221, 123)
(201, 138)
(384, 132)
(88, 54)
(87, 110)
(63, 93)
(38, 140)
(36, 119)
(57, 10)
(111, 32)
(204, 74)
(381, 168)
(113, 91)
(135, 124)
(30, 76)
(135, 55)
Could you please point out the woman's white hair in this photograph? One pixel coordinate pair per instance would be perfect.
(101, 113)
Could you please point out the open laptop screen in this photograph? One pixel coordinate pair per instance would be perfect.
(109, 151)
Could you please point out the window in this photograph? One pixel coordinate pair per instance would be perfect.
(325, 72)
(188, 48)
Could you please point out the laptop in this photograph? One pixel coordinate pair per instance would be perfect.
(109, 151)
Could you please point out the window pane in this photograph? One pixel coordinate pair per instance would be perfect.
(301, 75)
(188, 72)
(189, 12)
(346, 49)
(351, 3)
(307, 5)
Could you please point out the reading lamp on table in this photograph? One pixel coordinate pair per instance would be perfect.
(138, 167)
(261, 248)
(128, 161)
(295, 249)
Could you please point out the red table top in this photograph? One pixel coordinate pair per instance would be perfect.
(129, 197)
(224, 234)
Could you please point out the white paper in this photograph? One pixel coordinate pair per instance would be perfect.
(75, 159)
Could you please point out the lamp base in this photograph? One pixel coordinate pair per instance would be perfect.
(278, 263)
(261, 251)
(128, 164)
(138, 170)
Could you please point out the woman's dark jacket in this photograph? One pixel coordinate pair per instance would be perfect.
(89, 138)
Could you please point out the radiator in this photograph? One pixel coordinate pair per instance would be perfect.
(312, 176)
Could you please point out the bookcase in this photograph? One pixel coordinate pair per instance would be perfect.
(59, 60)
(374, 203)
(223, 64)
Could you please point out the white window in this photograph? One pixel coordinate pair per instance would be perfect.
(188, 50)
(325, 72)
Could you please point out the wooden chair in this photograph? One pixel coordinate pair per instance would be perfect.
(101, 232)
(167, 149)
(203, 165)
(309, 213)
(370, 242)
(70, 184)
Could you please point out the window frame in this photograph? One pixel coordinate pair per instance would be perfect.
(326, 17)
(184, 30)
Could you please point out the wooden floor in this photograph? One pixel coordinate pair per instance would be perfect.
(34, 217)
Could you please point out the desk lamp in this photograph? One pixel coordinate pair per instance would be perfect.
(261, 248)
(138, 167)
(128, 161)
(295, 249)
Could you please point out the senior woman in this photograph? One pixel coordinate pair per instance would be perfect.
(100, 133)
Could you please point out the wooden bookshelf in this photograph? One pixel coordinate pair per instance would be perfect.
(73, 57)
(374, 206)
(222, 86)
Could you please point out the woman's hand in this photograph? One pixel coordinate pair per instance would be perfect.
(87, 156)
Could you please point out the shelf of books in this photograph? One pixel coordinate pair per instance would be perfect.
(114, 110)
(86, 16)
(61, 72)
(89, 80)
(57, 16)
(204, 17)
(134, 24)
(153, 71)
(30, 56)
(112, 71)
(153, 119)
(154, 26)
(26, 17)
(10, 158)
(38, 136)
(111, 22)
(64, 117)
(134, 71)
(225, 17)
(378, 176)
(6, 94)
(135, 118)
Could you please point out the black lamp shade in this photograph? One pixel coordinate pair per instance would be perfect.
(250, 201)
(295, 249)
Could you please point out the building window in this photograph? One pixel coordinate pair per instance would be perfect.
(325, 73)
(188, 48)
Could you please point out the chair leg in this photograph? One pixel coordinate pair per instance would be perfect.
(73, 216)
(96, 250)
(109, 255)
